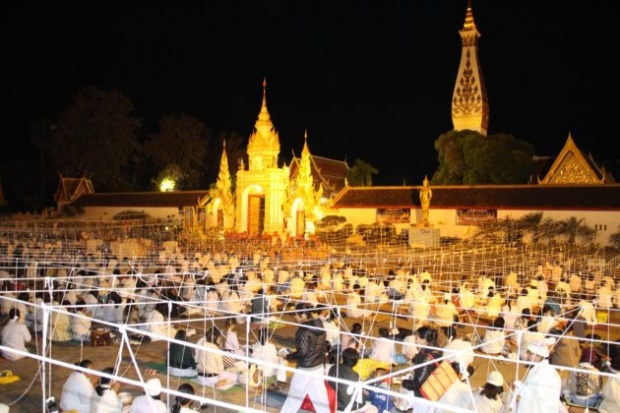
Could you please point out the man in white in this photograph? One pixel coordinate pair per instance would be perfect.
(574, 282)
(604, 296)
(540, 390)
(149, 402)
(15, 335)
(78, 390)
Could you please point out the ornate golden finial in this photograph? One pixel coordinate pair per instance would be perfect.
(470, 24)
(264, 91)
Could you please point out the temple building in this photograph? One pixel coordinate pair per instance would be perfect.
(269, 197)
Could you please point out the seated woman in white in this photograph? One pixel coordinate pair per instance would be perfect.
(353, 305)
(264, 351)
(494, 338)
(15, 335)
(81, 322)
(157, 324)
(61, 322)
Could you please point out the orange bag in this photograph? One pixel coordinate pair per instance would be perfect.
(439, 381)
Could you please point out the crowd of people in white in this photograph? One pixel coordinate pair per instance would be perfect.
(545, 317)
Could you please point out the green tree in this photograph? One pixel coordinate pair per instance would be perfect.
(95, 136)
(182, 140)
(361, 173)
(467, 157)
(532, 223)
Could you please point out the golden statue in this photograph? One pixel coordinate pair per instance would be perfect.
(425, 200)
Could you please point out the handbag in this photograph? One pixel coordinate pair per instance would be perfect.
(7, 377)
(439, 381)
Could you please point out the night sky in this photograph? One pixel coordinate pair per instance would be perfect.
(367, 79)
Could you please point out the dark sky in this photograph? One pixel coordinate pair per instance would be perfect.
(367, 79)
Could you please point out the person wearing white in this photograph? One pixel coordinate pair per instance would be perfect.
(604, 296)
(15, 335)
(383, 348)
(81, 322)
(587, 311)
(460, 351)
(232, 339)
(210, 365)
(77, 392)
(540, 390)
(494, 338)
(150, 402)
(510, 313)
(265, 351)
(156, 323)
(489, 398)
(61, 322)
(105, 398)
(420, 309)
(467, 299)
(352, 306)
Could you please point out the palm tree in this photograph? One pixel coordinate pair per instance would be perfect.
(361, 173)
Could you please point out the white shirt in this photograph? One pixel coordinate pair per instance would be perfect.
(15, 335)
(108, 402)
(80, 326)
(383, 349)
(485, 405)
(232, 343)
(77, 393)
(266, 352)
(332, 333)
(457, 395)
(146, 404)
(207, 361)
(155, 323)
(540, 391)
(493, 341)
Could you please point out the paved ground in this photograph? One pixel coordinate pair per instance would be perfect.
(26, 395)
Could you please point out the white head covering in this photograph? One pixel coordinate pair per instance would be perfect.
(153, 387)
(495, 378)
(539, 347)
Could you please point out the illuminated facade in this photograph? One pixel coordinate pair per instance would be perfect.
(470, 108)
(268, 198)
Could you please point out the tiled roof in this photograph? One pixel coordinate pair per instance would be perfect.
(553, 197)
(330, 172)
(143, 199)
(70, 189)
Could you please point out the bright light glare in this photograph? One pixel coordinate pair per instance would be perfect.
(167, 185)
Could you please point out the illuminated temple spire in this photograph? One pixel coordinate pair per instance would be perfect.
(304, 177)
(264, 143)
(470, 108)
